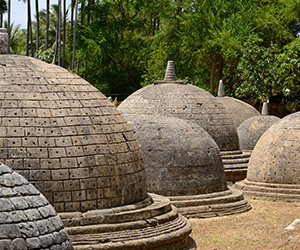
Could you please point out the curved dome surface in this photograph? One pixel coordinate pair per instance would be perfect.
(28, 221)
(252, 129)
(187, 102)
(66, 138)
(180, 157)
(183, 162)
(275, 158)
(274, 169)
(238, 110)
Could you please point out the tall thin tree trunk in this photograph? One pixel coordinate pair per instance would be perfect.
(72, 13)
(28, 29)
(74, 36)
(37, 26)
(212, 77)
(1, 20)
(47, 23)
(59, 32)
(8, 26)
(64, 35)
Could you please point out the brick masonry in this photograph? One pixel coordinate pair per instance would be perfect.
(27, 220)
(180, 157)
(66, 138)
(187, 102)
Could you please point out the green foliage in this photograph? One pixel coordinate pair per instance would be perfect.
(45, 55)
(155, 65)
(266, 72)
(123, 45)
(3, 6)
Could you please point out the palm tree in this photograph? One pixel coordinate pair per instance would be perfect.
(8, 27)
(16, 38)
(47, 24)
(37, 25)
(64, 35)
(3, 8)
(74, 36)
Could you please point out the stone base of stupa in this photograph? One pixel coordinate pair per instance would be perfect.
(211, 205)
(269, 191)
(151, 224)
(235, 164)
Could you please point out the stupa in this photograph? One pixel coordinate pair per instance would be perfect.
(183, 162)
(177, 98)
(27, 219)
(236, 162)
(65, 137)
(274, 169)
(253, 128)
(238, 110)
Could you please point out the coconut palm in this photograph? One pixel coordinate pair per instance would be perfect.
(3, 8)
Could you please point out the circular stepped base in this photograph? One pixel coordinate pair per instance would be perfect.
(151, 224)
(269, 191)
(211, 205)
(235, 164)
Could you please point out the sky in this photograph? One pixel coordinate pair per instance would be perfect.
(19, 10)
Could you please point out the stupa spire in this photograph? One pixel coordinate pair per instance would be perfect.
(221, 91)
(170, 72)
(265, 110)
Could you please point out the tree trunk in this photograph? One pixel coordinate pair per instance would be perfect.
(1, 20)
(72, 14)
(37, 26)
(59, 32)
(64, 35)
(212, 77)
(28, 29)
(8, 27)
(74, 36)
(47, 24)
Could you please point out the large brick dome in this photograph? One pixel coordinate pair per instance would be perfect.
(274, 169)
(62, 134)
(188, 102)
(66, 138)
(184, 163)
(180, 157)
(27, 219)
(253, 128)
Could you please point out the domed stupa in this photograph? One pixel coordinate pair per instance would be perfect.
(235, 163)
(177, 98)
(274, 168)
(183, 162)
(238, 110)
(253, 128)
(28, 221)
(66, 138)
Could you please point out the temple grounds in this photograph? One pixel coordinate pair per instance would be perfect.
(261, 228)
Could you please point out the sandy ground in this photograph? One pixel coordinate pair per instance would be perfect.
(261, 228)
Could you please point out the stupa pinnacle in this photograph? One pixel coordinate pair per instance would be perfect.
(221, 91)
(265, 110)
(170, 72)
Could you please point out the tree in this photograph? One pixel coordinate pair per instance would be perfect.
(74, 36)
(8, 27)
(47, 24)
(268, 72)
(37, 25)
(3, 8)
